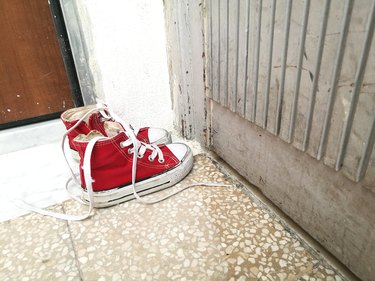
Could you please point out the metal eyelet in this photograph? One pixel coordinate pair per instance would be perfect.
(150, 159)
(140, 155)
(161, 161)
(130, 151)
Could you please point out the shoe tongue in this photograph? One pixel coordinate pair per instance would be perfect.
(95, 123)
(106, 128)
(88, 137)
(112, 128)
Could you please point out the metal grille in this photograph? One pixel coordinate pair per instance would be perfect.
(305, 72)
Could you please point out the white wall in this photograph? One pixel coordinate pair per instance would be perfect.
(126, 51)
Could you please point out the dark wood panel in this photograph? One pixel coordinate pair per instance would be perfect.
(33, 81)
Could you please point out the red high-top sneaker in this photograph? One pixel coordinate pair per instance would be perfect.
(98, 117)
(117, 169)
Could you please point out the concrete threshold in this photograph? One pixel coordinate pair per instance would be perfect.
(27, 136)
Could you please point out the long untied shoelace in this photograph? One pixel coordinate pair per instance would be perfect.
(138, 149)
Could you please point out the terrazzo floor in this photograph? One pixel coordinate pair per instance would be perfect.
(203, 233)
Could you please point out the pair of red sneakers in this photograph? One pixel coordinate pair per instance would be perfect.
(119, 162)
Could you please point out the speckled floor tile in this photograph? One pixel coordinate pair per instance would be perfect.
(203, 233)
(321, 272)
(34, 247)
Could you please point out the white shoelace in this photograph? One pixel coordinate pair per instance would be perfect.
(138, 150)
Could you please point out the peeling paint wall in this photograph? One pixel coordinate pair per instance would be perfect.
(186, 65)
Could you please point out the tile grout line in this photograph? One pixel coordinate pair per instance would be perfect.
(73, 245)
(255, 193)
(307, 271)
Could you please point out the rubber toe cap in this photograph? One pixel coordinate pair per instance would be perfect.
(158, 136)
(180, 150)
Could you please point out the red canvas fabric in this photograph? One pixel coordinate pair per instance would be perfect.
(111, 165)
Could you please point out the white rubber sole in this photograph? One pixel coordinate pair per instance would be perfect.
(164, 140)
(125, 193)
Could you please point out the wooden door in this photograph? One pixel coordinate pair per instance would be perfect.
(33, 80)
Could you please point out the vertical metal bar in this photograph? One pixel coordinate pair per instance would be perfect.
(210, 49)
(283, 67)
(223, 43)
(232, 53)
(311, 107)
(357, 88)
(227, 51)
(246, 57)
(209, 73)
(219, 53)
(237, 42)
(215, 45)
(269, 68)
(256, 65)
(365, 158)
(335, 79)
(299, 70)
